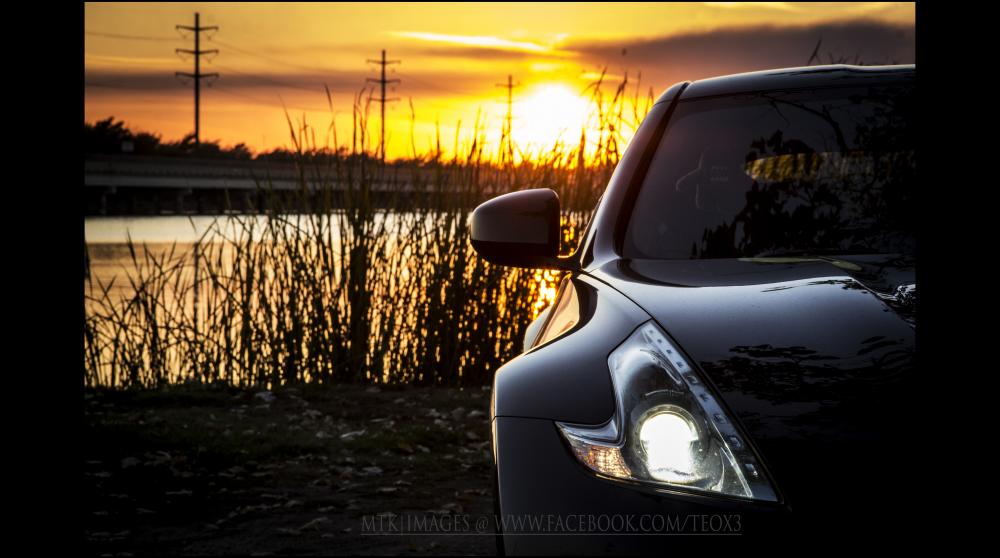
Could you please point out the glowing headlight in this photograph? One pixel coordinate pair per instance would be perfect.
(667, 438)
(668, 429)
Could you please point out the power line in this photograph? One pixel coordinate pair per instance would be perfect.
(211, 39)
(197, 76)
(131, 37)
(382, 100)
(262, 101)
(274, 81)
(266, 57)
(431, 85)
(119, 86)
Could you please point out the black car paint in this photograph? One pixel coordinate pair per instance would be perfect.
(563, 380)
(532, 217)
(808, 358)
(552, 485)
(812, 358)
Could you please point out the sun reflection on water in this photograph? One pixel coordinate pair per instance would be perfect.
(546, 283)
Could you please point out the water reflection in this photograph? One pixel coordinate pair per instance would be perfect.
(257, 299)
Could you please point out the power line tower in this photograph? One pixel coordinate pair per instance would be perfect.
(197, 76)
(507, 145)
(383, 100)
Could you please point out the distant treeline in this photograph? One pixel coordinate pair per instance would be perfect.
(112, 137)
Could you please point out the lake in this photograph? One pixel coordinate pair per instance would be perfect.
(426, 296)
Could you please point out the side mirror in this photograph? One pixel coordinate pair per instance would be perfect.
(520, 229)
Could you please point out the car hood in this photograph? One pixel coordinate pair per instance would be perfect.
(812, 355)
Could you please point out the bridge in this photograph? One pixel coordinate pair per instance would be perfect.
(148, 185)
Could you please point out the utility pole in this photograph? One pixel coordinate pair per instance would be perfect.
(382, 100)
(508, 124)
(197, 76)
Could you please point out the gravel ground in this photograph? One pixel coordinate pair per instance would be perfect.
(305, 470)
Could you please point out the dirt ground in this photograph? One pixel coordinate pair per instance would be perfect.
(307, 470)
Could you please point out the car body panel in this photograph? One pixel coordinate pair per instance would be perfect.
(809, 359)
(598, 245)
(539, 480)
(574, 364)
(834, 75)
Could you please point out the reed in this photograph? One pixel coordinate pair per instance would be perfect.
(328, 286)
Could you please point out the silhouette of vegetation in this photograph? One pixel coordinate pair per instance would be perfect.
(328, 287)
(109, 136)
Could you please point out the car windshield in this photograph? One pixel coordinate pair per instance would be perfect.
(819, 171)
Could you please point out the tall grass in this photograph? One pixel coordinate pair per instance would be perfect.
(365, 276)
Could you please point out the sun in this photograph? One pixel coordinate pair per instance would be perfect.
(549, 111)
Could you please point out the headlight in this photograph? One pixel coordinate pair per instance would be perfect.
(668, 428)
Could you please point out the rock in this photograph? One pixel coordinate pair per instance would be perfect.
(314, 524)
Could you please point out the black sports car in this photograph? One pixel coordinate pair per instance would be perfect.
(730, 350)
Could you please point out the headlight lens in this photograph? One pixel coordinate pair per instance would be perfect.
(667, 438)
(668, 428)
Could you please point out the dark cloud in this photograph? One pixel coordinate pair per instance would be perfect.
(663, 61)
(725, 51)
(404, 48)
(264, 84)
(480, 53)
(340, 81)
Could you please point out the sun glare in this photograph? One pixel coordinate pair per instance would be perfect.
(549, 112)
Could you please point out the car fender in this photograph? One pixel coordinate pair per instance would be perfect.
(566, 378)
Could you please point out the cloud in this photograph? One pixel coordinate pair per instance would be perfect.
(666, 60)
(266, 86)
(662, 60)
(482, 42)
(783, 6)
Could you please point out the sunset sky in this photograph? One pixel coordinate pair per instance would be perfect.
(452, 55)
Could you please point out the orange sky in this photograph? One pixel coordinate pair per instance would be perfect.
(452, 55)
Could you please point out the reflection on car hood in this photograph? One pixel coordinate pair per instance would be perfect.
(811, 354)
